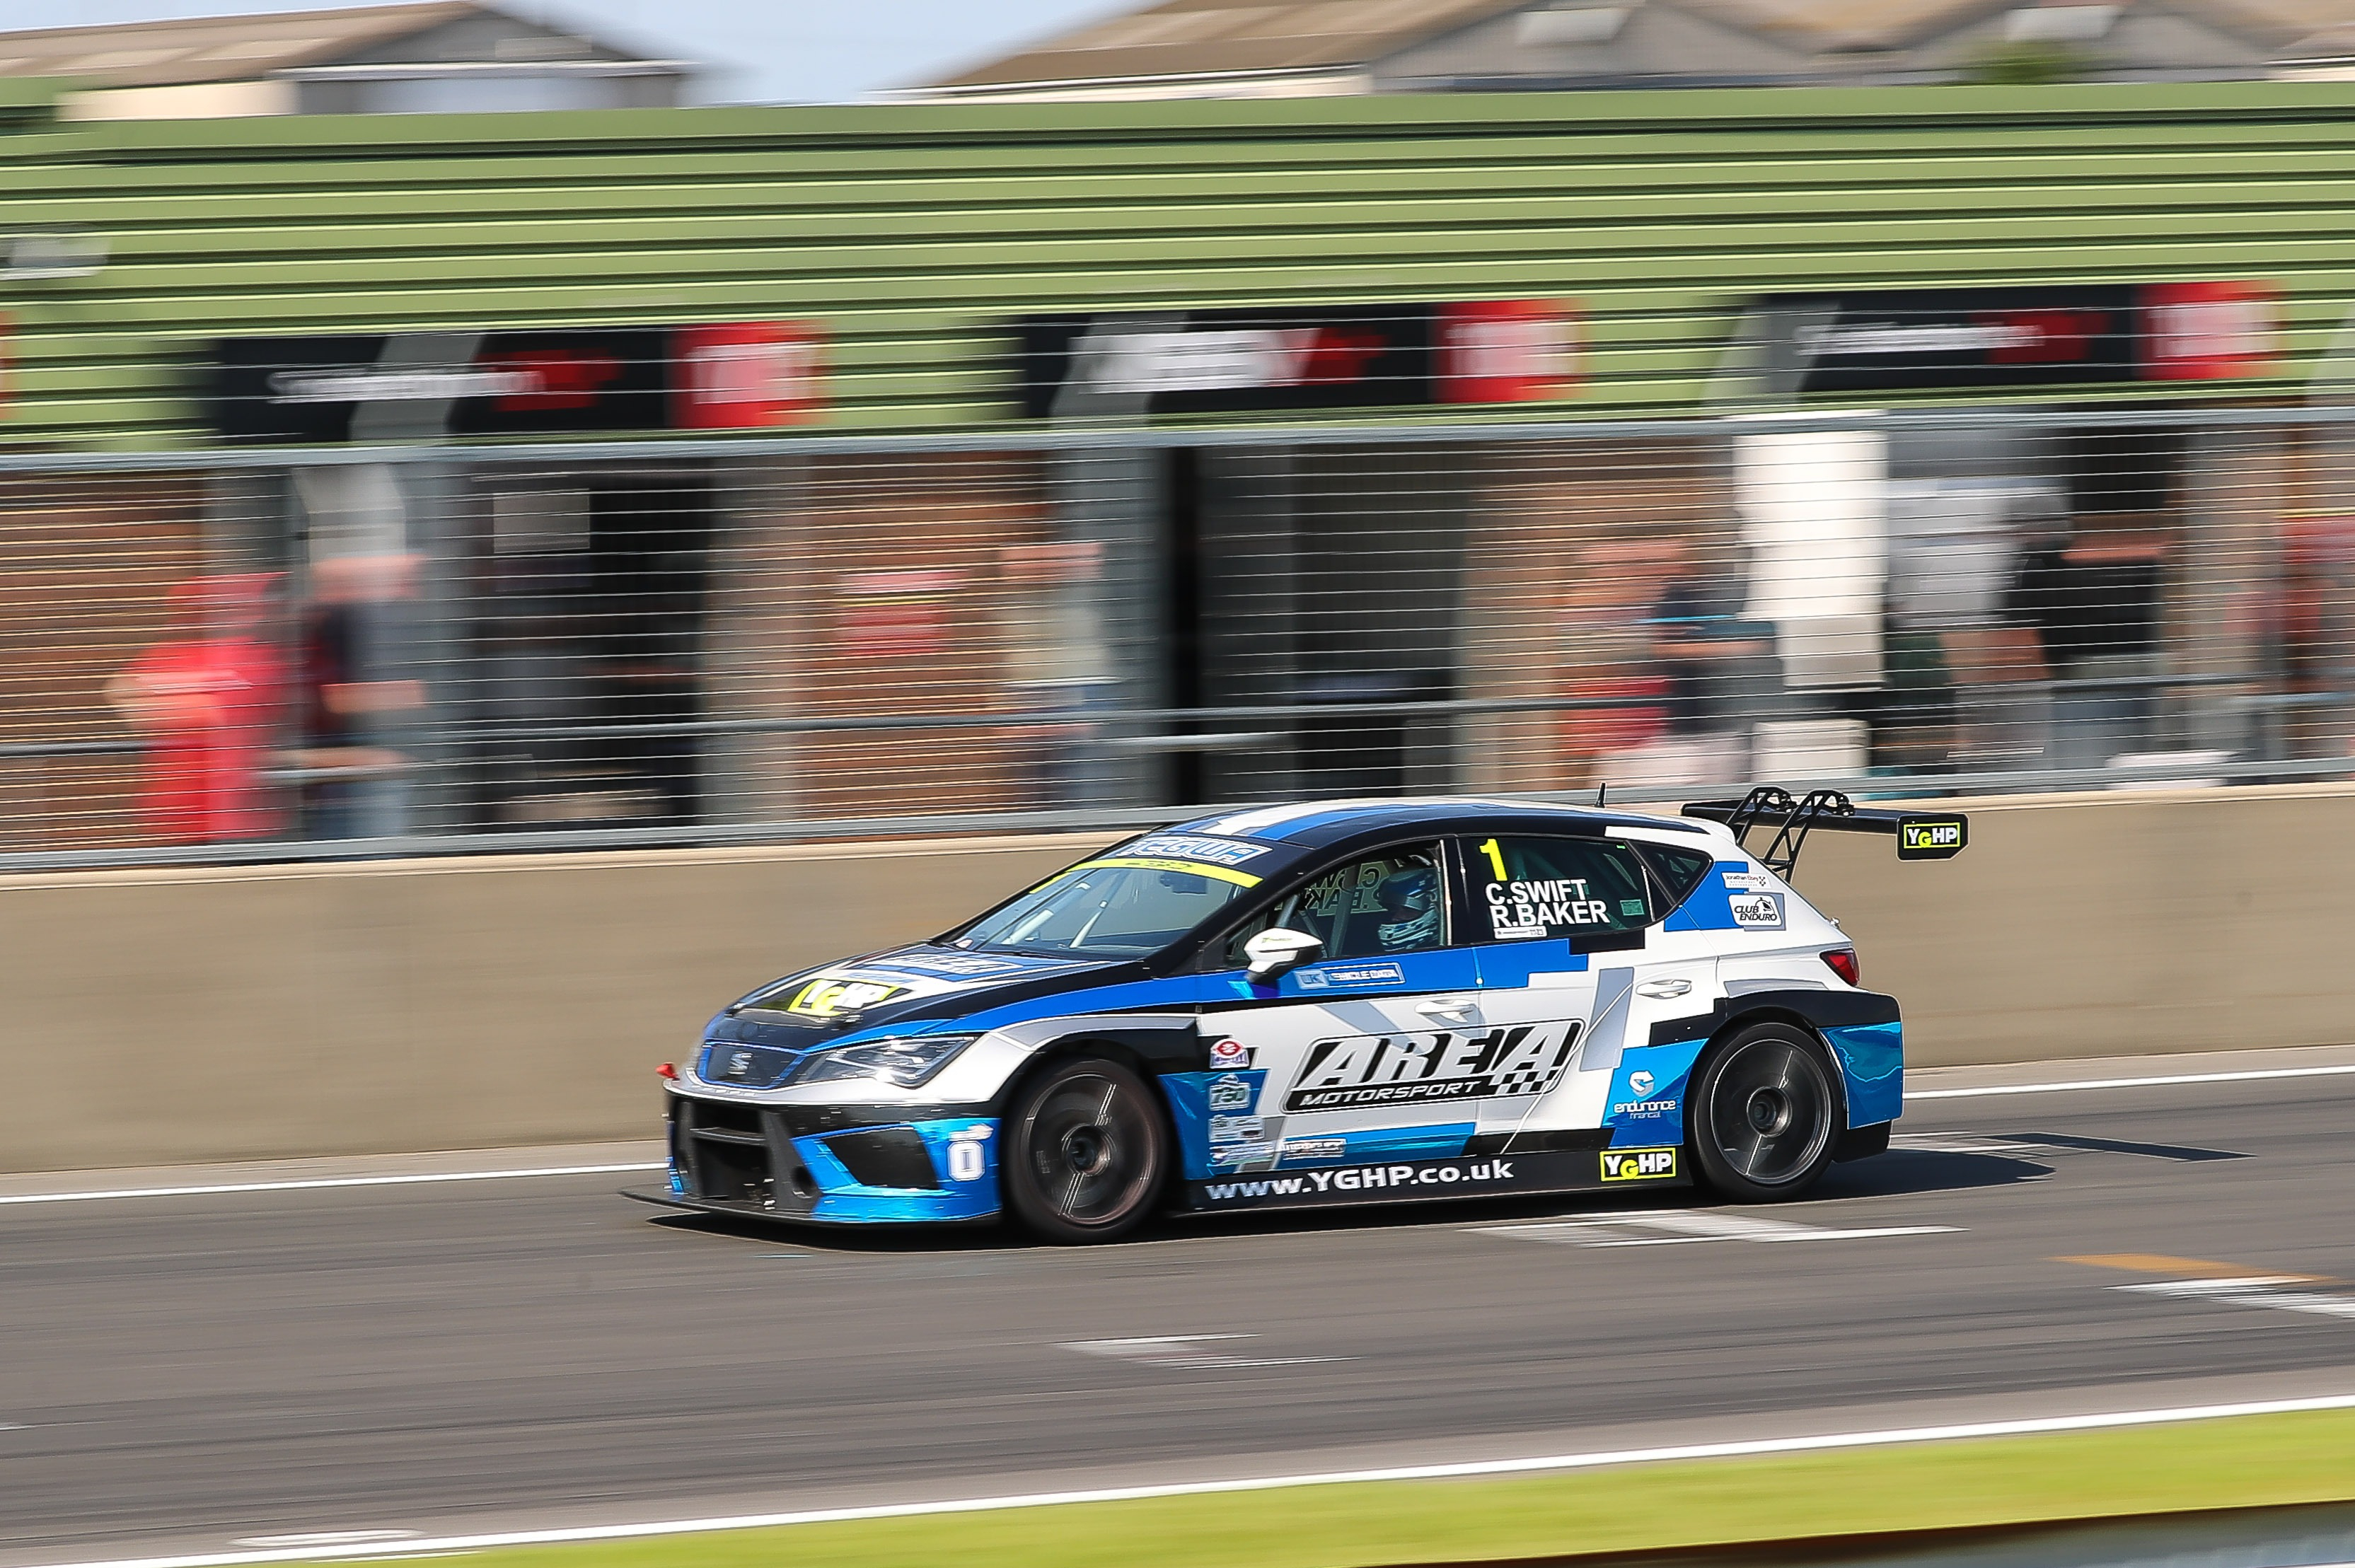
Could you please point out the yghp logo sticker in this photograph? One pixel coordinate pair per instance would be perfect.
(1638, 1164)
(832, 998)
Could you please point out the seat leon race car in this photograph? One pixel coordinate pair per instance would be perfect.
(1322, 1004)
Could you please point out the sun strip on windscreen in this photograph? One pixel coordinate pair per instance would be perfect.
(1190, 867)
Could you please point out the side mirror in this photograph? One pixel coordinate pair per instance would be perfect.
(1275, 951)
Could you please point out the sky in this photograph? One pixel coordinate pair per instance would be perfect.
(766, 51)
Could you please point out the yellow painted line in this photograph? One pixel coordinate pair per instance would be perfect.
(1190, 867)
(2181, 1267)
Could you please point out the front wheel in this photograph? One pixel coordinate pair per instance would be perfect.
(1766, 1114)
(1086, 1153)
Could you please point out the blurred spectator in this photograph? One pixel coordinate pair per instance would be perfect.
(1719, 668)
(358, 698)
(1057, 663)
(208, 701)
(2091, 598)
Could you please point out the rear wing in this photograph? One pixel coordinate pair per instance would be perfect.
(1920, 835)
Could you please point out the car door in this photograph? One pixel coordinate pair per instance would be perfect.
(1361, 1055)
(1556, 927)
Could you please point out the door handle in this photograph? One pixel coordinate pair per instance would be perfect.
(1453, 1009)
(1662, 987)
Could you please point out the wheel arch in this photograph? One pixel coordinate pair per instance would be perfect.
(1149, 1047)
(1769, 1012)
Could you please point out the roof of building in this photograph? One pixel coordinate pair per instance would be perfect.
(1182, 38)
(1903, 24)
(217, 48)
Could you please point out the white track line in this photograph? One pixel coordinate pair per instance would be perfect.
(312, 1183)
(452, 1543)
(2129, 1083)
(409, 1180)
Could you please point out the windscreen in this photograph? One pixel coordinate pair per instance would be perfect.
(1108, 909)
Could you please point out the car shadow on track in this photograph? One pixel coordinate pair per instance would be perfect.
(1901, 1173)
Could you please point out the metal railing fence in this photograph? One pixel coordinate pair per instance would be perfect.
(252, 654)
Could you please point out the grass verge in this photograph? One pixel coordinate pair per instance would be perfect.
(2235, 1463)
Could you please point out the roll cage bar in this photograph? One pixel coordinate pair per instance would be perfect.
(1920, 835)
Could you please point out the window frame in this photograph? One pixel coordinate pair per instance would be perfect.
(1453, 923)
(1656, 905)
(1646, 851)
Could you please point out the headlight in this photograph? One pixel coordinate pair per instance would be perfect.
(906, 1061)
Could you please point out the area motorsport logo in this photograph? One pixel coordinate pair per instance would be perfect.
(1418, 1069)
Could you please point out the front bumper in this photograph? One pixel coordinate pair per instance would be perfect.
(833, 1164)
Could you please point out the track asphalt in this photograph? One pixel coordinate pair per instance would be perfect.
(184, 1372)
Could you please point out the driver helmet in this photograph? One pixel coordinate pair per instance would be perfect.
(1410, 897)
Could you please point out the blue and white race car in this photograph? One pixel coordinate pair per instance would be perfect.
(1323, 1004)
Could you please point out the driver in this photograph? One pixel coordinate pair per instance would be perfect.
(1410, 901)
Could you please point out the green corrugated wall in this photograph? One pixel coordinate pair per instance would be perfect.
(907, 231)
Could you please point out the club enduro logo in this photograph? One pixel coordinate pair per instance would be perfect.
(1410, 1069)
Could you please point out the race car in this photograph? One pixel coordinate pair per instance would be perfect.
(1320, 1005)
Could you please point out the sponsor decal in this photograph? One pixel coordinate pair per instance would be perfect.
(1748, 880)
(1920, 838)
(957, 966)
(967, 1161)
(1164, 863)
(1363, 974)
(1521, 910)
(1229, 1053)
(1234, 1091)
(1236, 1128)
(1354, 1070)
(1308, 356)
(1314, 1147)
(2209, 332)
(1756, 911)
(1643, 1110)
(832, 998)
(1638, 1164)
(1642, 1083)
(1312, 979)
(1956, 338)
(531, 381)
(1425, 1180)
(1241, 1154)
(1192, 846)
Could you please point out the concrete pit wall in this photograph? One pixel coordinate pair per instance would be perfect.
(165, 1016)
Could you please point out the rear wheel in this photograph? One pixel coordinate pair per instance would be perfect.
(1766, 1114)
(1086, 1151)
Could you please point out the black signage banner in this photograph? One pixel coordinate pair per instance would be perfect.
(579, 381)
(1294, 358)
(1965, 339)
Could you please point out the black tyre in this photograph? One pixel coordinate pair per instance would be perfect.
(1766, 1113)
(1086, 1151)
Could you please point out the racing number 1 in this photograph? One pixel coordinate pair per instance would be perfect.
(1495, 858)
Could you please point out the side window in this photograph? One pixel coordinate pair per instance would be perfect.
(1386, 904)
(1679, 870)
(1523, 889)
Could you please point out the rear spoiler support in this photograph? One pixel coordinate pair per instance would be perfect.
(1920, 835)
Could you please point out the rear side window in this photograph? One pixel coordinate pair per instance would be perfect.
(1679, 870)
(1524, 889)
